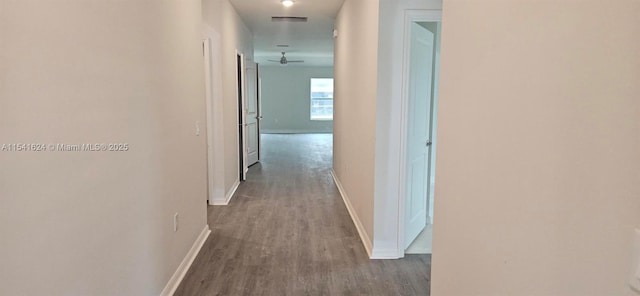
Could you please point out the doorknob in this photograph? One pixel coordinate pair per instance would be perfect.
(429, 143)
(258, 117)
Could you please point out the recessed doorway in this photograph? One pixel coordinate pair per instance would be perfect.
(422, 52)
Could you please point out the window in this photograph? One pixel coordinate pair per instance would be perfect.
(321, 98)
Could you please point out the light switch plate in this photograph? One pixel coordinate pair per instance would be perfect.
(634, 278)
(175, 222)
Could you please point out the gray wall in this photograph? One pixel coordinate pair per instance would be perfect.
(286, 99)
(100, 223)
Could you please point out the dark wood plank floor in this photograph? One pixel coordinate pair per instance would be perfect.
(287, 232)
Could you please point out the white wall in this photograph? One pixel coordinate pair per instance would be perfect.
(355, 107)
(221, 17)
(538, 188)
(286, 99)
(99, 223)
(388, 122)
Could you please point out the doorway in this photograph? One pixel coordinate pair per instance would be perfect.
(422, 49)
(241, 120)
(252, 116)
(248, 114)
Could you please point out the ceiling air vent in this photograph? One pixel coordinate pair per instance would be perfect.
(289, 19)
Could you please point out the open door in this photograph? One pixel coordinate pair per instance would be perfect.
(418, 131)
(252, 115)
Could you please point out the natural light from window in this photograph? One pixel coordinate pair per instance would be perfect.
(321, 98)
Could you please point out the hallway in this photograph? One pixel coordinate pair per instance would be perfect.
(287, 232)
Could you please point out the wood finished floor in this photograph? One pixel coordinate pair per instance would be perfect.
(288, 232)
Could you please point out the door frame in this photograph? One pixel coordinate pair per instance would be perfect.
(259, 94)
(206, 53)
(215, 119)
(240, 92)
(411, 16)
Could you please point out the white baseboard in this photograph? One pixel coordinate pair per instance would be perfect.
(364, 237)
(293, 131)
(419, 251)
(384, 254)
(184, 266)
(227, 198)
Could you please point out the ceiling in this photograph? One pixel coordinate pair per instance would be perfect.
(311, 41)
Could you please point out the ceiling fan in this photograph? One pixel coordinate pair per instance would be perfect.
(283, 60)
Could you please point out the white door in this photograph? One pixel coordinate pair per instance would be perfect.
(251, 113)
(418, 131)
